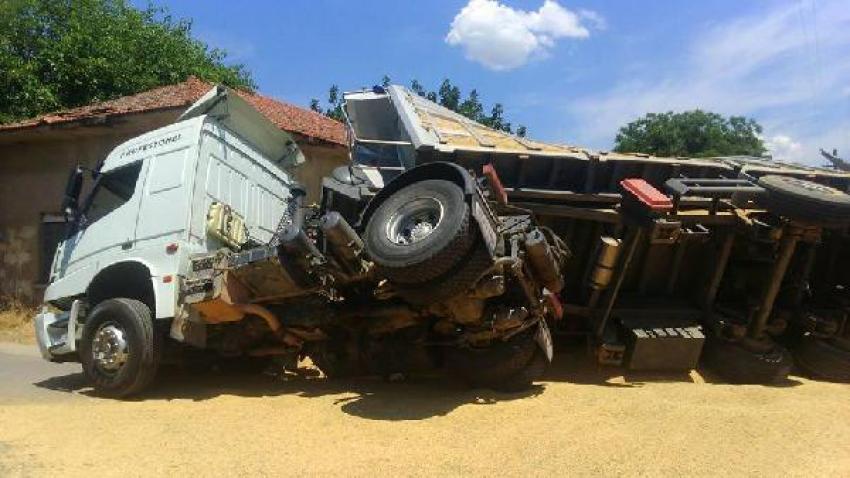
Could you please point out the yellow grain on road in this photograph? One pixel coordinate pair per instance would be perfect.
(582, 421)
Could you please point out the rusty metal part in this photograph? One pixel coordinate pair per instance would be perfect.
(386, 317)
(719, 270)
(307, 335)
(272, 321)
(508, 318)
(492, 286)
(678, 256)
(461, 309)
(791, 235)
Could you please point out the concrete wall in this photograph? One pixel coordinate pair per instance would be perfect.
(34, 167)
(33, 171)
(321, 160)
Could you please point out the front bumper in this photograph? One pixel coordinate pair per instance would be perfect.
(56, 334)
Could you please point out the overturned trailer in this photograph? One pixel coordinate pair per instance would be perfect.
(730, 260)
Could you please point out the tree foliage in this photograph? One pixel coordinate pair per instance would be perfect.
(57, 54)
(694, 133)
(447, 95)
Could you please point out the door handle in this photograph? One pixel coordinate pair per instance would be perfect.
(127, 245)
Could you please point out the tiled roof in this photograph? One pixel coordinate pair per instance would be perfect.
(286, 116)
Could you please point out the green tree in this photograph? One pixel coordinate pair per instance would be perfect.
(449, 95)
(417, 88)
(314, 105)
(471, 107)
(496, 120)
(335, 99)
(521, 131)
(694, 133)
(57, 54)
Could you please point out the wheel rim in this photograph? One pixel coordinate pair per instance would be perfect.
(414, 221)
(109, 348)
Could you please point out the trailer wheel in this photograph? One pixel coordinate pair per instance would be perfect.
(736, 363)
(420, 232)
(120, 349)
(510, 366)
(824, 358)
(806, 201)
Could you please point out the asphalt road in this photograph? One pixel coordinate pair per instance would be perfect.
(582, 421)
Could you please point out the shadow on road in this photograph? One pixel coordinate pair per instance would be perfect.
(414, 399)
(367, 397)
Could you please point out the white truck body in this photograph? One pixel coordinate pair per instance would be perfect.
(221, 151)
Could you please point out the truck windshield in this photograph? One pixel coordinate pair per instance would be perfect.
(111, 190)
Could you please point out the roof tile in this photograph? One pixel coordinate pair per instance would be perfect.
(286, 116)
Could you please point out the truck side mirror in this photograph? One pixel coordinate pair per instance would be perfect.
(70, 203)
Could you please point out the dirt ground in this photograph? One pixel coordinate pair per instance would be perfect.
(16, 323)
(582, 420)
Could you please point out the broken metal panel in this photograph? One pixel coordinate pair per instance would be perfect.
(247, 122)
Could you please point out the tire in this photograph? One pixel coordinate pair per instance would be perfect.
(410, 259)
(511, 366)
(805, 201)
(143, 347)
(828, 359)
(454, 282)
(736, 364)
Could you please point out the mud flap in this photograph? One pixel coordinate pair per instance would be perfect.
(544, 339)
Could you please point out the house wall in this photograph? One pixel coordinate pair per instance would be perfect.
(321, 161)
(34, 167)
(32, 181)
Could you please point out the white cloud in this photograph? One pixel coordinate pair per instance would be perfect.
(787, 67)
(782, 147)
(595, 20)
(503, 38)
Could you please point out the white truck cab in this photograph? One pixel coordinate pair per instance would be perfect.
(147, 213)
(196, 232)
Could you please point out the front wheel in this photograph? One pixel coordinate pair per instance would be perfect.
(120, 348)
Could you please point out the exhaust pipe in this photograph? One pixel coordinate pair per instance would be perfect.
(542, 261)
(297, 255)
(298, 195)
(345, 245)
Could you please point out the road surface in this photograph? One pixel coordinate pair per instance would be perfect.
(582, 421)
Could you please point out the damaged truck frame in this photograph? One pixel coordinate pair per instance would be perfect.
(443, 244)
(194, 243)
(733, 261)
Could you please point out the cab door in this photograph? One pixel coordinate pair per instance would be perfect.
(107, 227)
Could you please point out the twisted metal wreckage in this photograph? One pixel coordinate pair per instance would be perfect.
(443, 244)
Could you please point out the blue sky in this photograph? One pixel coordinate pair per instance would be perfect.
(570, 71)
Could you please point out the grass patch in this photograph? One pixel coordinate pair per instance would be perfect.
(16, 322)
